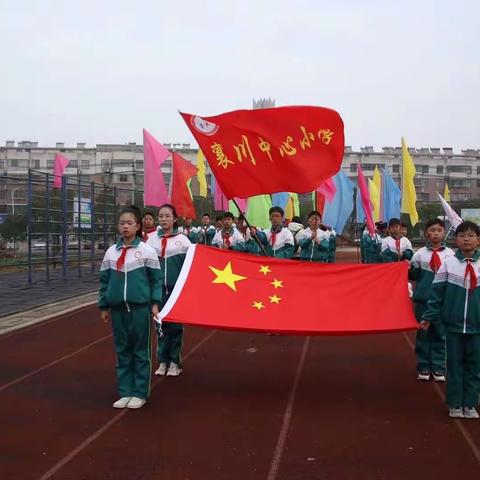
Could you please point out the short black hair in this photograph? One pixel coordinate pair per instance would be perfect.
(296, 219)
(315, 212)
(394, 221)
(206, 215)
(218, 218)
(135, 211)
(148, 212)
(228, 215)
(434, 221)
(276, 210)
(403, 225)
(468, 225)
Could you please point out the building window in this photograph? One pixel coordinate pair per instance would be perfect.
(50, 163)
(478, 183)
(123, 178)
(353, 167)
(460, 183)
(440, 169)
(419, 182)
(368, 167)
(461, 196)
(14, 163)
(459, 169)
(139, 164)
(421, 168)
(73, 164)
(422, 196)
(36, 163)
(396, 168)
(86, 163)
(2, 163)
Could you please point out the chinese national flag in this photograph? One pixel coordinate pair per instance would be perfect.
(265, 294)
(183, 171)
(284, 149)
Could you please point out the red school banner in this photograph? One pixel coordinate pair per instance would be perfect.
(284, 149)
(265, 294)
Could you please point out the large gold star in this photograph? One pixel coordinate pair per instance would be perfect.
(265, 269)
(226, 276)
(277, 283)
(274, 299)
(258, 305)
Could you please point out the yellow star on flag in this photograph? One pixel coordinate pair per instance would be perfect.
(227, 276)
(265, 269)
(274, 299)
(258, 305)
(277, 283)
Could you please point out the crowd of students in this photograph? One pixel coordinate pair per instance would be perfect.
(139, 273)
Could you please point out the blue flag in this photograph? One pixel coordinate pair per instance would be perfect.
(336, 214)
(280, 199)
(391, 197)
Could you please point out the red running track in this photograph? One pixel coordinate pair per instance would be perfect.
(248, 406)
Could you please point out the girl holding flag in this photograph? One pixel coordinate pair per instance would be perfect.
(171, 247)
(131, 288)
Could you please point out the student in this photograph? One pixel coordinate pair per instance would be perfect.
(148, 224)
(171, 247)
(313, 241)
(395, 247)
(218, 222)
(296, 227)
(206, 231)
(430, 344)
(278, 240)
(455, 302)
(131, 288)
(371, 245)
(189, 230)
(227, 237)
(403, 229)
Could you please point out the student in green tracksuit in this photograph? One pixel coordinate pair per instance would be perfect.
(313, 241)
(371, 245)
(131, 288)
(455, 302)
(429, 344)
(189, 230)
(278, 240)
(396, 248)
(206, 231)
(171, 247)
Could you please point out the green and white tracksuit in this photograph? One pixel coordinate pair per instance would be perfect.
(205, 234)
(279, 243)
(171, 251)
(395, 250)
(190, 232)
(371, 247)
(231, 238)
(457, 307)
(129, 293)
(314, 250)
(430, 344)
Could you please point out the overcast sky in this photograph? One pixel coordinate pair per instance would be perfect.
(98, 71)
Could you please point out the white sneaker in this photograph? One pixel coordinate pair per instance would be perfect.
(161, 370)
(136, 402)
(456, 412)
(122, 402)
(423, 376)
(174, 370)
(470, 412)
(438, 376)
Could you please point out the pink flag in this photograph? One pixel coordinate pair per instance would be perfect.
(328, 189)
(242, 203)
(220, 200)
(366, 202)
(61, 164)
(154, 154)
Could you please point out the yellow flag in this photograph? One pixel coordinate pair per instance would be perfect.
(377, 180)
(202, 179)
(446, 193)
(409, 195)
(293, 206)
(375, 198)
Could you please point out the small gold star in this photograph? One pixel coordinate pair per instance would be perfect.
(258, 305)
(226, 276)
(274, 299)
(265, 269)
(277, 283)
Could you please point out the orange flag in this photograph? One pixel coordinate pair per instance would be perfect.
(183, 171)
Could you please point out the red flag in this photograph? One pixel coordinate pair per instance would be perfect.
(59, 167)
(285, 149)
(274, 295)
(183, 171)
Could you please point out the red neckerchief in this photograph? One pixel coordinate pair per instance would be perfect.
(187, 230)
(473, 277)
(397, 244)
(226, 238)
(146, 232)
(435, 261)
(164, 245)
(273, 237)
(121, 258)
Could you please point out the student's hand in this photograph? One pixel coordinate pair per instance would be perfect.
(254, 231)
(104, 316)
(423, 325)
(314, 235)
(154, 310)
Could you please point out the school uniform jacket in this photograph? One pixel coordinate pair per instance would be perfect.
(390, 252)
(190, 232)
(311, 250)
(205, 235)
(284, 246)
(451, 301)
(171, 257)
(234, 236)
(421, 272)
(139, 280)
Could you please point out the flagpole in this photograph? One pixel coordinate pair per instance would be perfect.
(254, 235)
